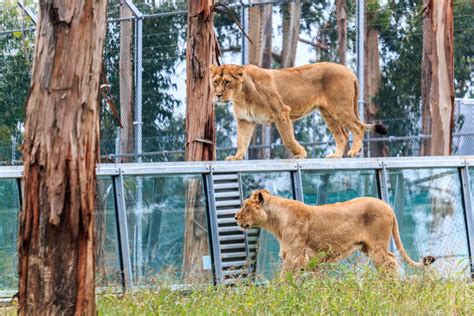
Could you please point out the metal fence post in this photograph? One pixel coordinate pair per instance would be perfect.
(361, 56)
(122, 232)
(213, 228)
(138, 32)
(245, 26)
(468, 212)
(382, 184)
(297, 184)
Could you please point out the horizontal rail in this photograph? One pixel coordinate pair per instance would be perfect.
(252, 166)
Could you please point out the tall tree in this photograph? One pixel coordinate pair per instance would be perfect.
(437, 78)
(260, 54)
(201, 52)
(60, 150)
(126, 83)
(371, 66)
(341, 16)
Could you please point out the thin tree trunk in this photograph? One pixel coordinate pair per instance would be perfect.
(341, 15)
(291, 33)
(260, 54)
(60, 151)
(372, 77)
(437, 79)
(201, 52)
(126, 83)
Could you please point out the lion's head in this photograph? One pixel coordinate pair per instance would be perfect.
(226, 79)
(252, 212)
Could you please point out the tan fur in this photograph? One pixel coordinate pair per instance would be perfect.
(282, 96)
(334, 230)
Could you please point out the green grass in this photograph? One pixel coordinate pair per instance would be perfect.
(347, 295)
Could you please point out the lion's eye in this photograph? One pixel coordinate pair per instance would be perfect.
(215, 82)
(226, 82)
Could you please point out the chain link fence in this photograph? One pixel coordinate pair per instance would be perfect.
(145, 68)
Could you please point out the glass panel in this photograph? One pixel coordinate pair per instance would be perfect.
(107, 254)
(167, 227)
(268, 260)
(429, 208)
(325, 187)
(9, 208)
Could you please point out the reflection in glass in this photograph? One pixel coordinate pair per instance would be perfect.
(107, 254)
(9, 207)
(325, 187)
(167, 229)
(268, 260)
(429, 208)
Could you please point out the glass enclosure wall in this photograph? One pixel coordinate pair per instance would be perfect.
(430, 213)
(160, 233)
(156, 224)
(108, 271)
(9, 207)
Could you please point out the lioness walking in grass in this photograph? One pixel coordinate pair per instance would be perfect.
(333, 230)
(282, 96)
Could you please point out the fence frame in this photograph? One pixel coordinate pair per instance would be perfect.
(294, 167)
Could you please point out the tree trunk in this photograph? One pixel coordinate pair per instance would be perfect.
(260, 54)
(437, 79)
(126, 83)
(341, 15)
(60, 151)
(291, 33)
(372, 77)
(201, 52)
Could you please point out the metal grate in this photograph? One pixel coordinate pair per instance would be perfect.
(237, 248)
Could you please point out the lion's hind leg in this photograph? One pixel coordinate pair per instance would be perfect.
(357, 130)
(339, 133)
(384, 261)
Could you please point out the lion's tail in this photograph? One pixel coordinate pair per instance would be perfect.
(377, 127)
(396, 236)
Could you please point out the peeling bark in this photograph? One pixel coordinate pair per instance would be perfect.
(438, 76)
(201, 51)
(60, 150)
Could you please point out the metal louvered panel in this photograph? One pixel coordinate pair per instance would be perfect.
(236, 253)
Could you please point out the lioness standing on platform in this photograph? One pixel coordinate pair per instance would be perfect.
(282, 96)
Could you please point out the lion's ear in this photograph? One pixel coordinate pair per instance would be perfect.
(240, 71)
(213, 68)
(261, 199)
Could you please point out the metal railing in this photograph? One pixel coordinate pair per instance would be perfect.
(208, 170)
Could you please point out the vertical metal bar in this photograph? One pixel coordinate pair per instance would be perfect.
(19, 185)
(138, 88)
(122, 232)
(361, 57)
(27, 11)
(382, 183)
(297, 184)
(468, 212)
(138, 123)
(245, 26)
(117, 146)
(212, 213)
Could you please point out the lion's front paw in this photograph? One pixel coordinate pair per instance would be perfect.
(333, 155)
(229, 158)
(353, 153)
(299, 156)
